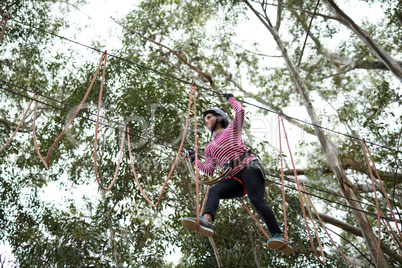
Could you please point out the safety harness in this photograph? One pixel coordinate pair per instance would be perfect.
(231, 164)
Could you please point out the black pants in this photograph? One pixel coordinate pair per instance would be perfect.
(253, 178)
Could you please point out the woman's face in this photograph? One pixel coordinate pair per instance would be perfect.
(210, 121)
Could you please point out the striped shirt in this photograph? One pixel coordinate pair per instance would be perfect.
(227, 145)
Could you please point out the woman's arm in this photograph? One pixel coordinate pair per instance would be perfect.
(238, 119)
(208, 168)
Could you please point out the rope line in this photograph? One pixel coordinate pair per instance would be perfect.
(255, 219)
(193, 88)
(367, 150)
(96, 136)
(211, 240)
(394, 237)
(377, 205)
(303, 198)
(323, 225)
(207, 89)
(93, 120)
(283, 180)
(173, 166)
(47, 162)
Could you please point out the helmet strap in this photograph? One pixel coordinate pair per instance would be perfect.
(213, 128)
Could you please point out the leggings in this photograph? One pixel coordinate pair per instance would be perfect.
(253, 178)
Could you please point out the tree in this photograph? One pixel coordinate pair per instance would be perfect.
(144, 89)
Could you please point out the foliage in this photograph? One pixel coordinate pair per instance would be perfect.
(88, 227)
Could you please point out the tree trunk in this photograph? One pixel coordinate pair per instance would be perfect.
(364, 37)
(346, 185)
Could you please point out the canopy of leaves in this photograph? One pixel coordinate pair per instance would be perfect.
(147, 86)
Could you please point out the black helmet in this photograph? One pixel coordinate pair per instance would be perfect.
(218, 112)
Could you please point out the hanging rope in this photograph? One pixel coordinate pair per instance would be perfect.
(4, 19)
(323, 225)
(47, 162)
(367, 154)
(394, 237)
(174, 164)
(20, 124)
(193, 88)
(365, 147)
(280, 120)
(211, 240)
(255, 219)
(377, 205)
(96, 136)
(315, 230)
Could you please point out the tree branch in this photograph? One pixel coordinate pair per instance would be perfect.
(356, 231)
(279, 15)
(205, 75)
(10, 128)
(367, 39)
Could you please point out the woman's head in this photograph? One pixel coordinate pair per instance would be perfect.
(213, 117)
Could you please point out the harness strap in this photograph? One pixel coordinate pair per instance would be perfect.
(242, 184)
(238, 161)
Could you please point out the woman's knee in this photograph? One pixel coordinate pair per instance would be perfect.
(257, 201)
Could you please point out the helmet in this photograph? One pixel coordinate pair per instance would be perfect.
(218, 112)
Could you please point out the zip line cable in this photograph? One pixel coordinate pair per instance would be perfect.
(207, 89)
(174, 148)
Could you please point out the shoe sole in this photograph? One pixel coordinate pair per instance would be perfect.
(281, 246)
(192, 225)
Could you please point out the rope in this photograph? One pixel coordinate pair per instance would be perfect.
(19, 125)
(381, 183)
(173, 166)
(315, 230)
(211, 240)
(255, 219)
(394, 237)
(96, 137)
(47, 162)
(323, 225)
(5, 19)
(89, 119)
(34, 134)
(283, 182)
(193, 88)
(377, 205)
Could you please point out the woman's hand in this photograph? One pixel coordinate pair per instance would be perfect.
(190, 154)
(227, 95)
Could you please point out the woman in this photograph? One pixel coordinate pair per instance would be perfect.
(247, 176)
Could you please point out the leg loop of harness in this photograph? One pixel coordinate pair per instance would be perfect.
(242, 184)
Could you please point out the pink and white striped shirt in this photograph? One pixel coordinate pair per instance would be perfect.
(227, 145)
